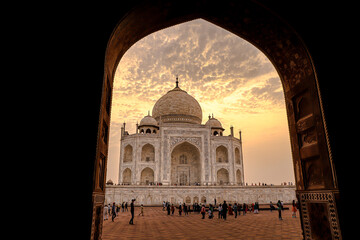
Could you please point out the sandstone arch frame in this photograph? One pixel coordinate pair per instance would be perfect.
(317, 187)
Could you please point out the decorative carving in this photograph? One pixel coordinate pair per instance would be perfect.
(302, 104)
(195, 140)
(313, 205)
(305, 123)
(309, 137)
(313, 174)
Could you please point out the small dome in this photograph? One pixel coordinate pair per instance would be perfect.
(148, 121)
(214, 123)
(109, 182)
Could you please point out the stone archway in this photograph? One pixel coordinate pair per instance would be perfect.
(147, 176)
(316, 183)
(148, 153)
(222, 154)
(185, 164)
(127, 177)
(222, 177)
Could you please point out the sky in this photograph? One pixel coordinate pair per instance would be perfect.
(227, 75)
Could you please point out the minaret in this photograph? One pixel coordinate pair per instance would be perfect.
(232, 130)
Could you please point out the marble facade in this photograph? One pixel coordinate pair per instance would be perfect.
(155, 195)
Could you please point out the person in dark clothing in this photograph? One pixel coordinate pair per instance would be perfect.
(235, 208)
(279, 209)
(185, 209)
(113, 212)
(172, 209)
(224, 209)
(132, 210)
(168, 208)
(126, 207)
(180, 210)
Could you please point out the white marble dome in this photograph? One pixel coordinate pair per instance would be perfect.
(148, 121)
(214, 123)
(177, 106)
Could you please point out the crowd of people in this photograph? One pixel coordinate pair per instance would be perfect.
(223, 209)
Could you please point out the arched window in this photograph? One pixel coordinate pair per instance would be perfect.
(216, 133)
(147, 176)
(154, 131)
(221, 154)
(127, 176)
(238, 177)
(237, 156)
(222, 176)
(142, 131)
(183, 159)
(148, 153)
(128, 152)
(148, 130)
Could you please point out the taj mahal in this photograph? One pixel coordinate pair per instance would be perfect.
(174, 157)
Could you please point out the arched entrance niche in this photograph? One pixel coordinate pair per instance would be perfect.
(222, 154)
(147, 176)
(316, 184)
(127, 176)
(148, 153)
(222, 177)
(185, 165)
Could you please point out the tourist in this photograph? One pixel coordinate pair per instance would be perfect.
(245, 209)
(220, 210)
(109, 209)
(225, 209)
(211, 209)
(203, 211)
(122, 207)
(256, 208)
(132, 211)
(185, 209)
(126, 209)
(279, 209)
(235, 210)
(113, 211)
(105, 212)
(163, 205)
(141, 210)
(168, 208)
(180, 209)
(172, 209)
(230, 210)
(117, 209)
(271, 206)
(293, 209)
(239, 208)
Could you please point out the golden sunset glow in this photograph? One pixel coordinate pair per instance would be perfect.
(228, 76)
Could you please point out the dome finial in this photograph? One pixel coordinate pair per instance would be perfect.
(177, 82)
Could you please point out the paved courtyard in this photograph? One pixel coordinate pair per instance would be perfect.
(156, 224)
